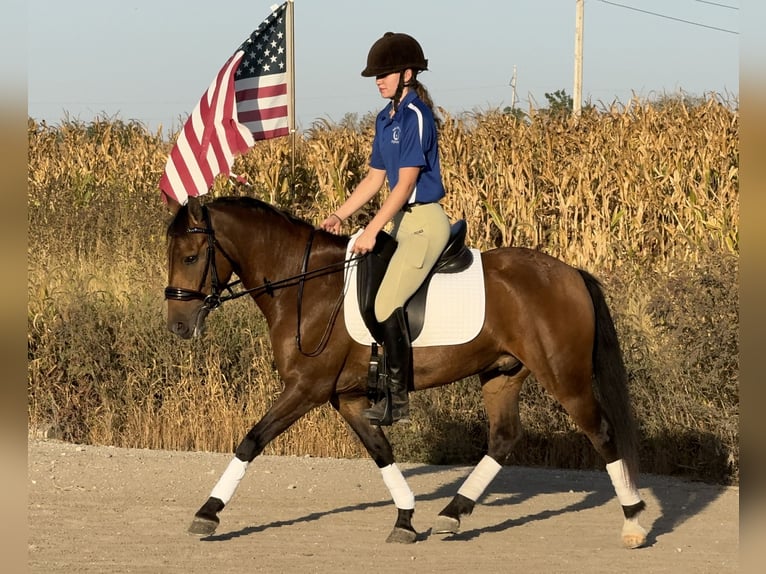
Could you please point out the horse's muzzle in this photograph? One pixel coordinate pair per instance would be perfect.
(189, 327)
(181, 329)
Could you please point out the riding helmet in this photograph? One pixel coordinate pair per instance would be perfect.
(394, 52)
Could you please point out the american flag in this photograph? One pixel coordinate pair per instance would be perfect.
(247, 101)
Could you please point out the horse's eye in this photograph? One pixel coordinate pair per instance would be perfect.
(188, 260)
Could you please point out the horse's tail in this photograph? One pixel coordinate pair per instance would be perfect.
(610, 379)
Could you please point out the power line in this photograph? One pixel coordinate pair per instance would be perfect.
(670, 17)
(717, 4)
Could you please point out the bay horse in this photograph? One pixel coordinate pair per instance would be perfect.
(543, 317)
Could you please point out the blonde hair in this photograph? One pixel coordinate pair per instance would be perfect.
(423, 94)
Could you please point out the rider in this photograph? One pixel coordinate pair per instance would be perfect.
(405, 151)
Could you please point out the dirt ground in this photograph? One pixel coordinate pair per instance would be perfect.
(105, 509)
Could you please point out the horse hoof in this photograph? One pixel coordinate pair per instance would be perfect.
(402, 536)
(633, 535)
(446, 525)
(202, 526)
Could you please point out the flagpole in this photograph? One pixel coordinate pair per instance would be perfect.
(291, 88)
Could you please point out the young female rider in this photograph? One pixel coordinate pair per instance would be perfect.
(406, 152)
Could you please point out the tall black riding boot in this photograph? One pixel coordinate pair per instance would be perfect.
(395, 406)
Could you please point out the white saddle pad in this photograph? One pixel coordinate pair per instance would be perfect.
(454, 306)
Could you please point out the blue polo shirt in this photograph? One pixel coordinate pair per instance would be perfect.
(409, 140)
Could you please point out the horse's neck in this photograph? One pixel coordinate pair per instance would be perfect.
(286, 259)
(271, 253)
(266, 252)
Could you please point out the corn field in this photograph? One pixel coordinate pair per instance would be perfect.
(643, 195)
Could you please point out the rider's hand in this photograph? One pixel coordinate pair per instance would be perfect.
(332, 224)
(364, 243)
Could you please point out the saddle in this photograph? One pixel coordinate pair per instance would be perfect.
(455, 257)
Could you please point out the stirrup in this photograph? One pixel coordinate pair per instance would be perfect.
(389, 415)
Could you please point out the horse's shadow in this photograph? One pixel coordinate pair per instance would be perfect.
(516, 485)
(678, 500)
(302, 519)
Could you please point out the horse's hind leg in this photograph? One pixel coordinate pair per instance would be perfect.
(501, 400)
(377, 445)
(587, 413)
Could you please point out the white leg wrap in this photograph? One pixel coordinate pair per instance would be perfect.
(627, 493)
(400, 490)
(479, 479)
(229, 480)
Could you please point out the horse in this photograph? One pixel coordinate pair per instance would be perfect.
(543, 317)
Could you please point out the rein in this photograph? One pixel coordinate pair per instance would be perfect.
(216, 297)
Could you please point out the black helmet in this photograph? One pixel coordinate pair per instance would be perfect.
(394, 52)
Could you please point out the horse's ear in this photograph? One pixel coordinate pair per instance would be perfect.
(196, 218)
(173, 205)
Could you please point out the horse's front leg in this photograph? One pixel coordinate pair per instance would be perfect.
(288, 408)
(379, 448)
(501, 400)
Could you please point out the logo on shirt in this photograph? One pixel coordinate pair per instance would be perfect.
(395, 133)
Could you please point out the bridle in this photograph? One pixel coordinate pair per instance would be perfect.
(216, 297)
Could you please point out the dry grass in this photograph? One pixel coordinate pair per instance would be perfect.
(645, 196)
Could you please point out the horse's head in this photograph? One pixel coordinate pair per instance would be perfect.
(196, 271)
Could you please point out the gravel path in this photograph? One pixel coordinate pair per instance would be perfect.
(106, 509)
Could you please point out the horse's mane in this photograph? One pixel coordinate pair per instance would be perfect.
(178, 225)
(256, 204)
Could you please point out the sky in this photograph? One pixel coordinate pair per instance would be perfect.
(151, 60)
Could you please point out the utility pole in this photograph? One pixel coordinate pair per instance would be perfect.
(512, 83)
(577, 92)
